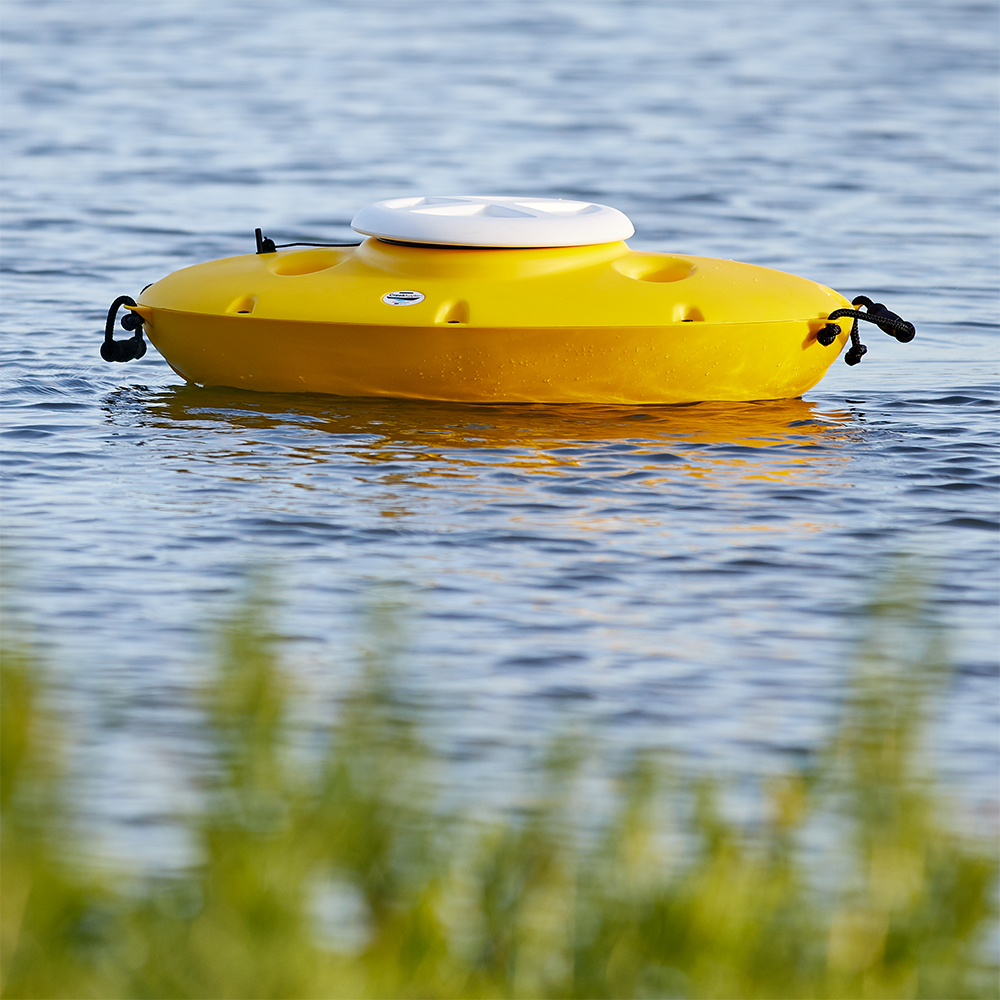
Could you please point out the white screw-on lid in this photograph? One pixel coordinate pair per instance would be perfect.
(473, 221)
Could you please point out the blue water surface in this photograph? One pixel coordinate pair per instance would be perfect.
(686, 577)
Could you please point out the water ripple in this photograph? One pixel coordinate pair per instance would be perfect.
(682, 576)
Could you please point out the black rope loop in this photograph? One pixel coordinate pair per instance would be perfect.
(875, 312)
(123, 350)
(887, 322)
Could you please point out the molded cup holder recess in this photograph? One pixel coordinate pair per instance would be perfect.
(308, 261)
(653, 267)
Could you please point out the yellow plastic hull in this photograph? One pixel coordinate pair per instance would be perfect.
(579, 325)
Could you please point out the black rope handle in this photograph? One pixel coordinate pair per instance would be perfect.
(265, 245)
(888, 322)
(123, 350)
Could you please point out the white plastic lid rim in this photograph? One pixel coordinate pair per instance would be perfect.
(504, 221)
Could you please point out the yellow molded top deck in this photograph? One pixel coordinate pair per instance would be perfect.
(607, 285)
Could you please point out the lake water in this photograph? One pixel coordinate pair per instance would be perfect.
(679, 576)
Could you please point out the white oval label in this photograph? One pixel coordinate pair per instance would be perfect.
(404, 298)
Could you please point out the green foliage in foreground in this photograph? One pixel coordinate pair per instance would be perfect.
(349, 879)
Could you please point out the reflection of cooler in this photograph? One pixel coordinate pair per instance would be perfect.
(490, 299)
(676, 439)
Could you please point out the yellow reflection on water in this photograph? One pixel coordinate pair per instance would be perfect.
(428, 440)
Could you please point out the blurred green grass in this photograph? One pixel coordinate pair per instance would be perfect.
(350, 879)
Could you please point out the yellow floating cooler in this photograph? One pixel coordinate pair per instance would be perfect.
(490, 300)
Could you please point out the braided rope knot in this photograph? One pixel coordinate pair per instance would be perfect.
(875, 312)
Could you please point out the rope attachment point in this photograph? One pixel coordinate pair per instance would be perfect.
(267, 245)
(875, 312)
(123, 350)
(264, 245)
